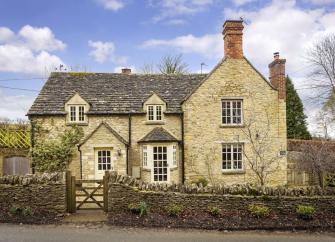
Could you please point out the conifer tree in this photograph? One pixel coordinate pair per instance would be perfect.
(296, 119)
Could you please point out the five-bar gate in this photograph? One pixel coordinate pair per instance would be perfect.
(86, 194)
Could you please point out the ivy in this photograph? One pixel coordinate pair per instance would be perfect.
(55, 155)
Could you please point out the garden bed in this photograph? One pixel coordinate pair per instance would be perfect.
(226, 220)
(36, 217)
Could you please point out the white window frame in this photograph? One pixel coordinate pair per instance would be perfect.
(145, 162)
(162, 146)
(78, 114)
(148, 155)
(231, 155)
(174, 156)
(157, 113)
(105, 155)
(231, 112)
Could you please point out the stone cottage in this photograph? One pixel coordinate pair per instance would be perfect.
(172, 128)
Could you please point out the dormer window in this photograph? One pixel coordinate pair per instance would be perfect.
(77, 113)
(155, 113)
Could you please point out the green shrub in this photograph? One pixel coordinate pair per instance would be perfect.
(54, 155)
(138, 208)
(27, 212)
(305, 212)
(214, 211)
(174, 210)
(143, 209)
(134, 208)
(259, 211)
(201, 181)
(15, 210)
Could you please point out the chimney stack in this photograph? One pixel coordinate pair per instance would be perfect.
(277, 75)
(233, 39)
(126, 71)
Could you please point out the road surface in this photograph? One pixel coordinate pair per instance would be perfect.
(102, 233)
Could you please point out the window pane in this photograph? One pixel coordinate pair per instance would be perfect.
(160, 163)
(151, 112)
(231, 111)
(232, 156)
(81, 113)
(158, 112)
(73, 113)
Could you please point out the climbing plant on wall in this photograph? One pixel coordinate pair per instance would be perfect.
(55, 155)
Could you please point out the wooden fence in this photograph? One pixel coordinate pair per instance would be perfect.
(14, 138)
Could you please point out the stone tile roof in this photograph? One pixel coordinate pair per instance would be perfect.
(158, 134)
(110, 93)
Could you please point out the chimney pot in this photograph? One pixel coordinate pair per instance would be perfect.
(126, 71)
(233, 38)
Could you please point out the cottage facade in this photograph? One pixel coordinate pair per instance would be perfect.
(171, 128)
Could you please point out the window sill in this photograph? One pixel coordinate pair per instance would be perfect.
(233, 172)
(174, 168)
(146, 169)
(232, 126)
(78, 124)
(154, 122)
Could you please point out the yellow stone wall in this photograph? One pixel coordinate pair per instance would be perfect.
(204, 135)
(55, 125)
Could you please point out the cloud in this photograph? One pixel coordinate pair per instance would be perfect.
(105, 51)
(170, 9)
(210, 46)
(6, 34)
(113, 5)
(14, 106)
(40, 39)
(29, 51)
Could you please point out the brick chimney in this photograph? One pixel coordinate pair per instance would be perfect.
(277, 75)
(233, 39)
(126, 71)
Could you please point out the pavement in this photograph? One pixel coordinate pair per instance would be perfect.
(101, 232)
(86, 216)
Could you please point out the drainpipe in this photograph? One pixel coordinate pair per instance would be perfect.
(81, 163)
(32, 142)
(182, 149)
(129, 142)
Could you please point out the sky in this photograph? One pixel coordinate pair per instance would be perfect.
(37, 36)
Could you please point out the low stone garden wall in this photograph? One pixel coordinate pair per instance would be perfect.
(220, 207)
(32, 198)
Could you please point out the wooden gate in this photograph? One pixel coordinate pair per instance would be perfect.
(16, 166)
(87, 194)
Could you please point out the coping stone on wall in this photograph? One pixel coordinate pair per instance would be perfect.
(223, 189)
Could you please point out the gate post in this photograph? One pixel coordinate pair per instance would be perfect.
(73, 194)
(68, 190)
(105, 189)
(70, 193)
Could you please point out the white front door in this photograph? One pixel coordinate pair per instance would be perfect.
(160, 171)
(103, 162)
